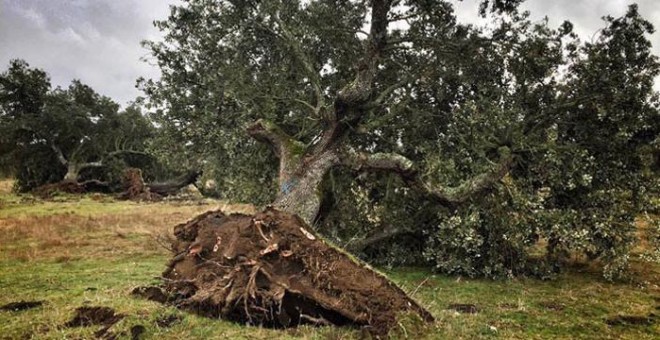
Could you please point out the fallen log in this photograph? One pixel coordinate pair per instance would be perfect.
(136, 189)
(270, 269)
(94, 185)
(174, 186)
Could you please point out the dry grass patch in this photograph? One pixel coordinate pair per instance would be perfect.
(6, 186)
(93, 251)
(114, 229)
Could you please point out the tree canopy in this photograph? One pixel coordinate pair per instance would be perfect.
(405, 135)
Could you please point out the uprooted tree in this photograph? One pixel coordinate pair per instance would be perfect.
(337, 112)
(419, 138)
(51, 135)
(135, 188)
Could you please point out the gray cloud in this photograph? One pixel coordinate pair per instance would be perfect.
(98, 41)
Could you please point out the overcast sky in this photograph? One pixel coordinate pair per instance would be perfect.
(98, 41)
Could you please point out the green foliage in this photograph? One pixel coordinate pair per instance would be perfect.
(224, 66)
(37, 166)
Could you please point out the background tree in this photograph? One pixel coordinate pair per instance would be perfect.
(470, 147)
(54, 134)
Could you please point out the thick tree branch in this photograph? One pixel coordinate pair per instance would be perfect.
(448, 196)
(100, 163)
(268, 132)
(173, 186)
(126, 152)
(352, 100)
(59, 154)
(90, 165)
(385, 93)
(359, 91)
(377, 237)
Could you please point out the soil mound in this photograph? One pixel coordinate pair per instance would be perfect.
(623, 320)
(67, 187)
(151, 293)
(71, 187)
(269, 269)
(168, 321)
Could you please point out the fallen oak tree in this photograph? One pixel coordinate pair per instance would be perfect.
(136, 188)
(173, 186)
(270, 269)
(133, 184)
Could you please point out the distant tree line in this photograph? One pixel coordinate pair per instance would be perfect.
(50, 134)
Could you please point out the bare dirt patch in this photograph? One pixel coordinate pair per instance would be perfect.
(625, 320)
(21, 305)
(269, 269)
(168, 321)
(552, 305)
(137, 331)
(151, 293)
(90, 316)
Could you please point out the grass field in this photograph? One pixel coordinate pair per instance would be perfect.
(72, 252)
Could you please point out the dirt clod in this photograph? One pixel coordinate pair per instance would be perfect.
(151, 293)
(465, 308)
(137, 331)
(89, 316)
(168, 321)
(269, 269)
(21, 305)
(623, 320)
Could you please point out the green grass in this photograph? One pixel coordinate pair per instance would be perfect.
(74, 253)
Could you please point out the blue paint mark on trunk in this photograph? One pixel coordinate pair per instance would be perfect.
(288, 186)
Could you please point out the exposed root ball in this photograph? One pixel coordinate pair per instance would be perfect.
(134, 187)
(270, 269)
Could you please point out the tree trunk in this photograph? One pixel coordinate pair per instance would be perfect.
(172, 187)
(73, 169)
(72, 172)
(300, 188)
